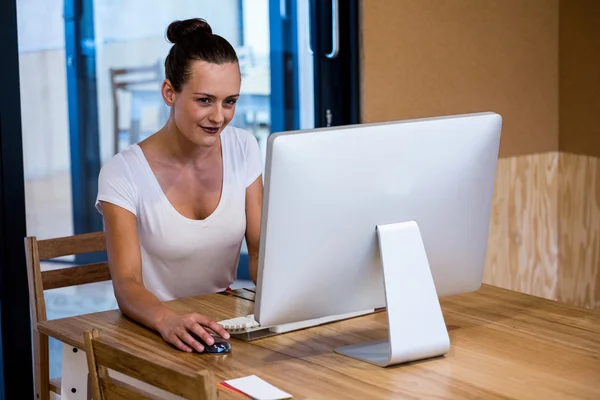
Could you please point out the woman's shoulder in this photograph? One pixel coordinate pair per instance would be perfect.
(121, 164)
(242, 139)
(246, 153)
(118, 181)
(239, 135)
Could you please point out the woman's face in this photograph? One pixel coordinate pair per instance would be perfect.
(206, 103)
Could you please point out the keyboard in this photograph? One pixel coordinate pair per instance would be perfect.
(247, 324)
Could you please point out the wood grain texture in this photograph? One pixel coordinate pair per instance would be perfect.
(500, 348)
(69, 245)
(75, 276)
(38, 281)
(579, 230)
(438, 57)
(545, 227)
(522, 247)
(104, 354)
(311, 381)
(504, 344)
(37, 307)
(93, 367)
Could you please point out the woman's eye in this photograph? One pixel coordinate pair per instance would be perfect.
(231, 102)
(203, 100)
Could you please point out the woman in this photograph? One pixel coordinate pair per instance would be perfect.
(177, 205)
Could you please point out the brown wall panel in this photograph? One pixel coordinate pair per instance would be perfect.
(579, 48)
(439, 57)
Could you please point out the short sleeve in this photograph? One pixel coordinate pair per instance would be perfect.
(115, 185)
(254, 164)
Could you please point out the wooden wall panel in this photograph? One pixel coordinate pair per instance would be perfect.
(545, 227)
(522, 248)
(579, 230)
(425, 58)
(579, 49)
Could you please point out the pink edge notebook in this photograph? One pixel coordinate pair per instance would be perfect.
(255, 388)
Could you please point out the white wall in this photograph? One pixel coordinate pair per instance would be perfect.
(44, 115)
(40, 25)
(43, 83)
(117, 20)
(256, 27)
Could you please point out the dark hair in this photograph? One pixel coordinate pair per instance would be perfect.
(193, 40)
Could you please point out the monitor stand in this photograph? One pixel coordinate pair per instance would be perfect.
(416, 326)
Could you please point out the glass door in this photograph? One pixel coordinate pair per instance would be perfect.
(90, 74)
(315, 63)
(334, 41)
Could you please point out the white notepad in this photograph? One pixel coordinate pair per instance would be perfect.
(257, 388)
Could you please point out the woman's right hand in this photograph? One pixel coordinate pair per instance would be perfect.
(175, 329)
(135, 301)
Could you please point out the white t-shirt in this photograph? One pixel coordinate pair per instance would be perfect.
(183, 257)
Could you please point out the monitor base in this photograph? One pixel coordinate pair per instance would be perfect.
(416, 327)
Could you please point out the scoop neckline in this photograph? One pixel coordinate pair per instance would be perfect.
(164, 197)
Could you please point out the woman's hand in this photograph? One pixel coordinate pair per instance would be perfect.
(175, 329)
(135, 301)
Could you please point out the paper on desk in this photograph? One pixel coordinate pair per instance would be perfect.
(257, 388)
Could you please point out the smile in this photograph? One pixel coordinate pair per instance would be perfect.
(210, 129)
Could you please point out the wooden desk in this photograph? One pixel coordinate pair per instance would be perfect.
(504, 344)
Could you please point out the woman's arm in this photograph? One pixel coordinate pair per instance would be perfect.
(135, 301)
(254, 194)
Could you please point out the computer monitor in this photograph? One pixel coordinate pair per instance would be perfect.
(373, 215)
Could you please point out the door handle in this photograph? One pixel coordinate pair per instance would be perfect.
(335, 31)
(308, 27)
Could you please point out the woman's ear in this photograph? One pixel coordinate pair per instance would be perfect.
(168, 93)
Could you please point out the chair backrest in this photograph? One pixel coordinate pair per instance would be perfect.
(36, 251)
(103, 355)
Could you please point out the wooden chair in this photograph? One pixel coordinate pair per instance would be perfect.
(39, 281)
(103, 354)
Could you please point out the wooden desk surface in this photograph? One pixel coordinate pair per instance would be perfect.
(504, 344)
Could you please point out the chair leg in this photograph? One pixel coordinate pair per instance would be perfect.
(41, 366)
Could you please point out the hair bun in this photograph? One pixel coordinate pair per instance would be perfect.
(178, 30)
